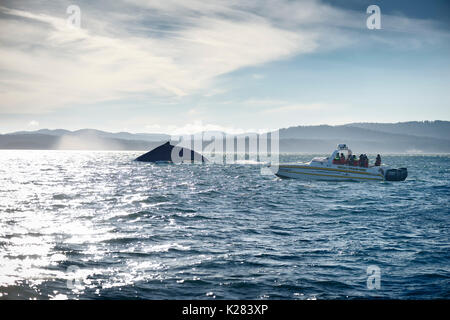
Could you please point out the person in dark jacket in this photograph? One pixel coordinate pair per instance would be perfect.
(350, 160)
(378, 160)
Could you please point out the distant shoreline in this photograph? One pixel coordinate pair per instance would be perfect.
(238, 153)
(426, 137)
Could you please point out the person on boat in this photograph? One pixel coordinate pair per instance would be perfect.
(355, 160)
(337, 159)
(343, 161)
(349, 160)
(378, 161)
(361, 160)
(364, 161)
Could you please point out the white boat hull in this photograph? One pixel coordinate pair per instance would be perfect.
(330, 172)
(332, 169)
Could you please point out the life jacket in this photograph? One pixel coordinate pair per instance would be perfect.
(336, 159)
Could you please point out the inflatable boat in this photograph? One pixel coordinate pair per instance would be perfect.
(333, 168)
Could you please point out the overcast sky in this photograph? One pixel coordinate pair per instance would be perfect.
(178, 66)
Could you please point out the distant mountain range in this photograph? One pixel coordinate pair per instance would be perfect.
(433, 129)
(403, 137)
(98, 133)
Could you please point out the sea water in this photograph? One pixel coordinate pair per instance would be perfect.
(95, 225)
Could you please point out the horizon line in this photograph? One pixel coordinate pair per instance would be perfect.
(240, 131)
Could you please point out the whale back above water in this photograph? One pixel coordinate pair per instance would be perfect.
(169, 153)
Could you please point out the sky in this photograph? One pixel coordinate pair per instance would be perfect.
(184, 66)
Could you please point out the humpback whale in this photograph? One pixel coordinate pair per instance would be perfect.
(169, 153)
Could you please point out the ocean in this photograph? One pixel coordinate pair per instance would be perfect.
(97, 225)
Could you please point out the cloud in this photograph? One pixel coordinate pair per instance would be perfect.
(263, 102)
(33, 123)
(198, 126)
(214, 92)
(258, 76)
(159, 48)
(46, 65)
(290, 109)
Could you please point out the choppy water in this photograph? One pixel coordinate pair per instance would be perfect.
(123, 229)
